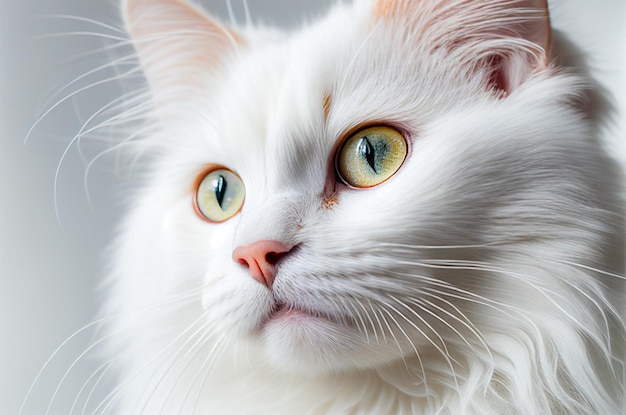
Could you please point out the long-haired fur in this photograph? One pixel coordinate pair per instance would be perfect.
(485, 277)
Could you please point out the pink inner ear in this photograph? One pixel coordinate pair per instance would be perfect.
(498, 75)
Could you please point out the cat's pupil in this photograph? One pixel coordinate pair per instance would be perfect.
(220, 190)
(367, 152)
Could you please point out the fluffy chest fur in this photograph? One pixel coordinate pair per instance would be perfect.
(483, 276)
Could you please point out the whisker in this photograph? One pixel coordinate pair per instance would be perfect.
(75, 362)
(526, 278)
(175, 359)
(81, 19)
(382, 330)
(109, 400)
(54, 354)
(100, 371)
(464, 320)
(420, 305)
(212, 356)
(108, 49)
(231, 13)
(77, 138)
(82, 33)
(116, 63)
(174, 300)
(589, 268)
(73, 365)
(443, 349)
(413, 247)
(468, 296)
(111, 106)
(73, 94)
(475, 266)
(103, 153)
(362, 326)
(124, 117)
(404, 333)
(246, 10)
(93, 389)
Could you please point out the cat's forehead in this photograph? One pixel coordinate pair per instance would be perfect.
(276, 98)
(285, 105)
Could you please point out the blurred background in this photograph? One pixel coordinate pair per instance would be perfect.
(56, 221)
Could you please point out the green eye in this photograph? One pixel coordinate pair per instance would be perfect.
(371, 156)
(220, 195)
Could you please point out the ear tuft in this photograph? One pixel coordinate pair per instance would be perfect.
(174, 40)
(505, 39)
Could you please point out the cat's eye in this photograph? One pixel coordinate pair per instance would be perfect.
(219, 195)
(371, 156)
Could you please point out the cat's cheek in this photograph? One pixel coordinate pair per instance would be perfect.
(197, 255)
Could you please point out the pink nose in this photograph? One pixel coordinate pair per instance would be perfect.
(261, 257)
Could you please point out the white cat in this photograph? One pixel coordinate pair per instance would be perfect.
(402, 208)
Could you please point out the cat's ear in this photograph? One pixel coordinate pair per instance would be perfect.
(174, 39)
(506, 40)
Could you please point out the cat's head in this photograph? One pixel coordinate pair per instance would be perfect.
(387, 180)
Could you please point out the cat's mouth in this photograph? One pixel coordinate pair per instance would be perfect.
(292, 313)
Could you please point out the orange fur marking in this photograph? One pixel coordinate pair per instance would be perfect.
(326, 105)
(383, 8)
(328, 201)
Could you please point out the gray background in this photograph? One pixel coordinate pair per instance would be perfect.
(49, 268)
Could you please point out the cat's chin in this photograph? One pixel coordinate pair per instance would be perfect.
(298, 341)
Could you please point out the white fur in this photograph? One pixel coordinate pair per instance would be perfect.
(484, 278)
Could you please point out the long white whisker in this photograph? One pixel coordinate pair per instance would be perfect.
(76, 139)
(404, 333)
(473, 298)
(175, 300)
(71, 367)
(75, 362)
(212, 356)
(382, 330)
(127, 116)
(109, 400)
(475, 266)
(363, 327)
(98, 372)
(247, 13)
(110, 106)
(463, 320)
(231, 13)
(108, 49)
(420, 304)
(175, 358)
(413, 248)
(83, 33)
(73, 94)
(54, 354)
(93, 389)
(589, 268)
(544, 291)
(104, 153)
(115, 63)
(81, 19)
(443, 349)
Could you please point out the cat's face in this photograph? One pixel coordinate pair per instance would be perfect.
(367, 275)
